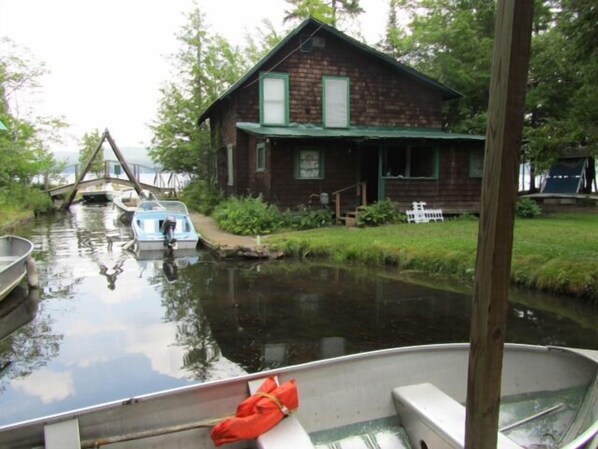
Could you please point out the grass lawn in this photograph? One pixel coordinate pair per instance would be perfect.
(556, 253)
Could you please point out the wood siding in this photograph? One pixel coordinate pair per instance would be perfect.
(380, 96)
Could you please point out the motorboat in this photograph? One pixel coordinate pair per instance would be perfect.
(163, 225)
(126, 202)
(98, 195)
(400, 398)
(15, 254)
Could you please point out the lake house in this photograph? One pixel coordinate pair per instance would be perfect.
(323, 118)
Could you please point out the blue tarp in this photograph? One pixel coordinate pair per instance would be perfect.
(565, 175)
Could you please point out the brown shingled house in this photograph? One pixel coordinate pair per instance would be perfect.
(325, 116)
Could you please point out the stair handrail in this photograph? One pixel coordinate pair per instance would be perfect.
(360, 191)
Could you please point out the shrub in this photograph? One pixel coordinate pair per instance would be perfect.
(201, 196)
(377, 214)
(527, 208)
(308, 218)
(25, 197)
(248, 216)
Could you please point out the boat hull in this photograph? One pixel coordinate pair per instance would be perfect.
(97, 197)
(14, 253)
(332, 393)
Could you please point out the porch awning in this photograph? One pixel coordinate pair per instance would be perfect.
(296, 130)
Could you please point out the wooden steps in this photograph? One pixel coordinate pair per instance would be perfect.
(349, 218)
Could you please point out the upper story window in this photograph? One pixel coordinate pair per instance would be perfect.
(335, 98)
(274, 99)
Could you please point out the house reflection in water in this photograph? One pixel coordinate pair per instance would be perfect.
(279, 314)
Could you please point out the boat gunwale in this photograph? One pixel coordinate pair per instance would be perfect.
(153, 396)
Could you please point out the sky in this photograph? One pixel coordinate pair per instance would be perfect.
(107, 59)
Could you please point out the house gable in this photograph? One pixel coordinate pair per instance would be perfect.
(383, 91)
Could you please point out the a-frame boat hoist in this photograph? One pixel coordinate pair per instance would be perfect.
(106, 137)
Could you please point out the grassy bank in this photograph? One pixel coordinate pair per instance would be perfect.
(555, 253)
(10, 217)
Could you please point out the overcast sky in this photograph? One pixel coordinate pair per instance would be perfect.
(108, 58)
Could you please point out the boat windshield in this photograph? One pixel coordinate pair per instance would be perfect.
(170, 206)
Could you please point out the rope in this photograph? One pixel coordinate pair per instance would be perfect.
(283, 408)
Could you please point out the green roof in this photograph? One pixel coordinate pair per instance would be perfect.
(447, 92)
(356, 132)
(3, 126)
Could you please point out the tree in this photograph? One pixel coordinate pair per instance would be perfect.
(258, 46)
(391, 42)
(451, 41)
(24, 149)
(329, 12)
(88, 144)
(562, 114)
(206, 65)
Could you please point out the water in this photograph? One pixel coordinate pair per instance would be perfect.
(109, 326)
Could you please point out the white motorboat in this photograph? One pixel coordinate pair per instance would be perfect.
(163, 225)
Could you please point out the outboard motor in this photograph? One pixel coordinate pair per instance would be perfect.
(168, 227)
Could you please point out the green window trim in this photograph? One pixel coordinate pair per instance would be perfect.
(407, 176)
(476, 162)
(260, 157)
(301, 155)
(327, 121)
(264, 119)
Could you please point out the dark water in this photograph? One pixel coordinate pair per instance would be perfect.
(107, 325)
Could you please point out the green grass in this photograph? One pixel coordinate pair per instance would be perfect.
(556, 253)
(11, 216)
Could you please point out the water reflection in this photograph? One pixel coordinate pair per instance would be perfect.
(111, 324)
(24, 347)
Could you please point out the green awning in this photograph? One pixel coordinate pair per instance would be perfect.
(354, 132)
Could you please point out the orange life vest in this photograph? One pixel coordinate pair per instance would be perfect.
(258, 413)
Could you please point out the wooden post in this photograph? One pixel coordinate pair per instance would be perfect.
(495, 239)
(81, 175)
(123, 162)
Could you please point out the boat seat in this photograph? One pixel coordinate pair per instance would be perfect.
(432, 418)
(62, 435)
(287, 433)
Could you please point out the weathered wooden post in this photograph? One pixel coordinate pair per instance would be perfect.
(495, 240)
